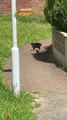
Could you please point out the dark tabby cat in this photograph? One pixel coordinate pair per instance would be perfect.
(36, 46)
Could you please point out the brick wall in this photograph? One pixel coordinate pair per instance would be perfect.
(36, 5)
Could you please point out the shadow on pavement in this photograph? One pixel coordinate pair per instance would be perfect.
(46, 55)
(7, 70)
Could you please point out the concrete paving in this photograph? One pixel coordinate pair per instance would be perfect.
(40, 73)
(53, 106)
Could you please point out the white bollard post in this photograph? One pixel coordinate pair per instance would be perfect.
(15, 53)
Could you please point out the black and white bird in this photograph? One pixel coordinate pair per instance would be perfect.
(36, 46)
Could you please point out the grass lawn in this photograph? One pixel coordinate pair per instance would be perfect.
(30, 29)
(12, 108)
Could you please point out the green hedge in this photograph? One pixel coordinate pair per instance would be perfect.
(56, 13)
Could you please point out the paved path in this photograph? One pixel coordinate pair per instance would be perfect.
(53, 106)
(40, 73)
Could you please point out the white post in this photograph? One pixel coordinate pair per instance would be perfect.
(15, 53)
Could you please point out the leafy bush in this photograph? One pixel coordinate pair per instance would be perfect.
(56, 13)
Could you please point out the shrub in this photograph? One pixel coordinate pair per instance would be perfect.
(56, 13)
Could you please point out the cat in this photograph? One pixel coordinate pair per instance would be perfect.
(36, 46)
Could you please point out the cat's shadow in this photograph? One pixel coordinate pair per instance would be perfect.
(46, 55)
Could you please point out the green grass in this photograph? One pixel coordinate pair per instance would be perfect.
(12, 108)
(32, 32)
(30, 29)
(33, 28)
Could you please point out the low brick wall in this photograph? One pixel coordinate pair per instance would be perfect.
(37, 6)
(59, 41)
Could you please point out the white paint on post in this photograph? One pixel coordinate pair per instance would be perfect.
(15, 53)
